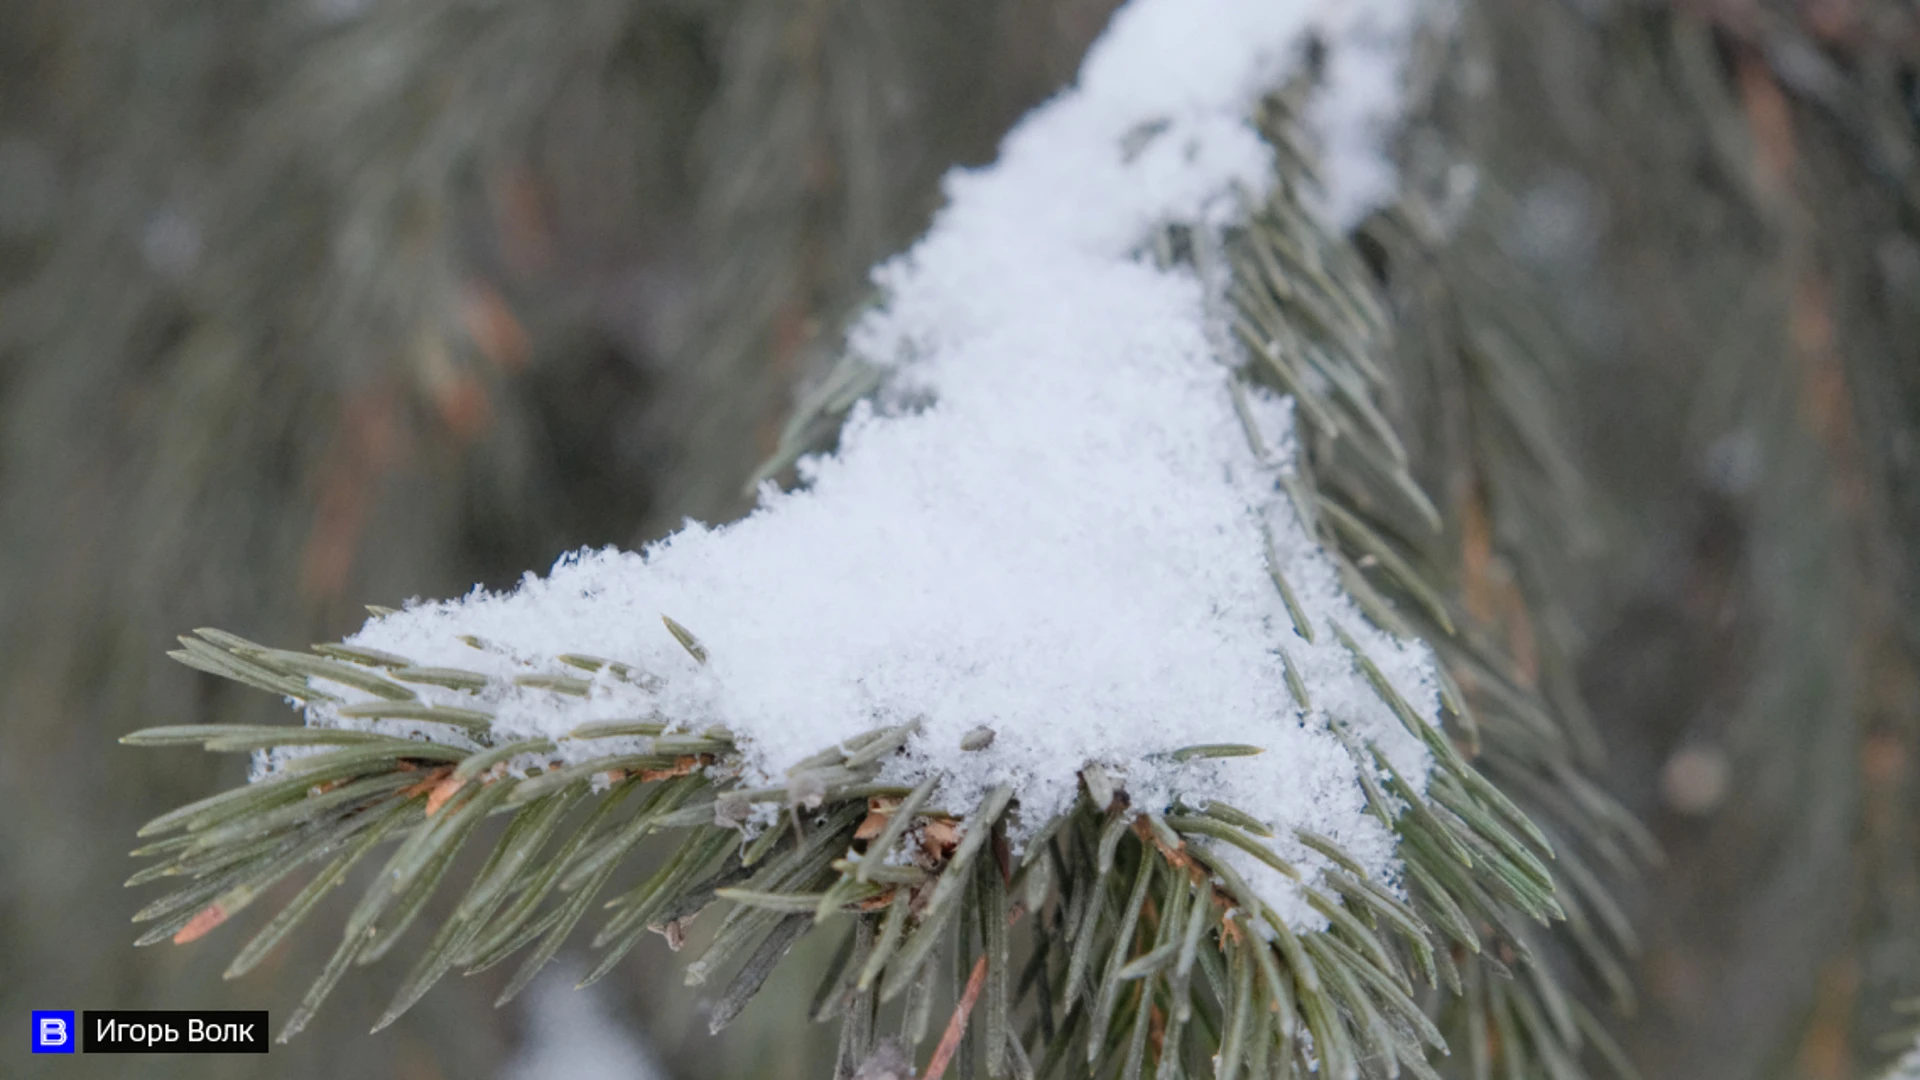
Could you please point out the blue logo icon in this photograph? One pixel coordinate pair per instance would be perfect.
(53, 1032)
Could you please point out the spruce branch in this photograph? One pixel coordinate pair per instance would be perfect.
(1122, 938)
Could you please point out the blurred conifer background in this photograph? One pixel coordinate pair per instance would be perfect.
(306, 304)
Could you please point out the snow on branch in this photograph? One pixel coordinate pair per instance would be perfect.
(1051, 524)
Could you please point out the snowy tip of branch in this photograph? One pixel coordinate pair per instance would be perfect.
(1072, 541)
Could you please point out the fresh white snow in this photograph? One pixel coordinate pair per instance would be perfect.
(1051, 524)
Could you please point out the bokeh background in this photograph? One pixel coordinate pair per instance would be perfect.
(309, 304)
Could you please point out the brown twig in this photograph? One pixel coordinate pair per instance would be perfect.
(957, 1026)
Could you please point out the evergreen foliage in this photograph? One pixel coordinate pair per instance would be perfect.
(1117, 943)
(285, 285)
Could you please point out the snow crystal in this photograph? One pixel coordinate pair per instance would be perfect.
(1063, 538)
